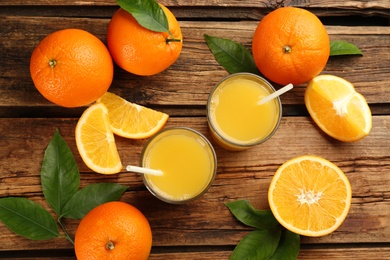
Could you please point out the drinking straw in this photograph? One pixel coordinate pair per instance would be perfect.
(275, 94)
(143, 170)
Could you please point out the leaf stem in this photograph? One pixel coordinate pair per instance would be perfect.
(65, 231)
(173, 39)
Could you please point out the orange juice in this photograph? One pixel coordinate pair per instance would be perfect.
(235, 119)
(188, 162)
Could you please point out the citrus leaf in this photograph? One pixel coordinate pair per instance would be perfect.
(343, 48)
(60, 177)
(27, 218)
(288, 248)
(148, 14)
(231, 55)
(91, 196)
(258, 244)
(244, 212)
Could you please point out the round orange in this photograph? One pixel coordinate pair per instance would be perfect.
(113, 230)
(71, 68)
(290, 45)
(139, 50)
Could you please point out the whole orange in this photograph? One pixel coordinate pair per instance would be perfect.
(113, 230)
(290, 45)
(139, 50)
(71, 68)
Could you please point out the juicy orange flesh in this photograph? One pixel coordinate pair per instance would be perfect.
(323, 201)
(340, 125)
(337, 108)
(131, 120)
(126, 114)
(96, 134)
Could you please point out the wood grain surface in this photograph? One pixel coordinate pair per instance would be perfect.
(202, 229)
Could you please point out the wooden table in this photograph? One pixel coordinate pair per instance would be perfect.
(203, 229)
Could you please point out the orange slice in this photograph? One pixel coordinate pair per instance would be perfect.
(131, 120)
(95, 141)
(310, 196)
(337, 108)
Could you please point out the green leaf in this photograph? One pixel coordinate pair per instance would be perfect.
(343, 48)
(231, 55)
(148, 14)
(288, 248)
(244, 212)
(258, 244)
(27, 218)
(60, 177)
(91, 196)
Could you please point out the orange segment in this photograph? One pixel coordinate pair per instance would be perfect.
(337, 108)
(95, 141)
(310, 196)
(131, 120)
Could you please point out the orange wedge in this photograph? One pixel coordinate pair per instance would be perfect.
(310, 196)
(95, 141)
(337, 108)
(131, 120)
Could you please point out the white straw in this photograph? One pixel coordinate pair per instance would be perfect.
(275, 94)
(142, 170)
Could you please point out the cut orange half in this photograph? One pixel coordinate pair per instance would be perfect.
(95, 141)
(132, 120)
(337, 108)
(310, 196)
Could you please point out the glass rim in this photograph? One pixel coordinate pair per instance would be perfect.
(232, 143)
(206, 142)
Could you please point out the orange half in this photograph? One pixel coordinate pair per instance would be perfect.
(310, 196)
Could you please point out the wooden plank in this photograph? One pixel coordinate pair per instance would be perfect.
(377, 253)
(207, 221)
(329, 15)
(354, 4)
(196, 64)
(380, 253)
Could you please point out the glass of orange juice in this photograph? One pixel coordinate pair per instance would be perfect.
(235, 118)
(187, 160)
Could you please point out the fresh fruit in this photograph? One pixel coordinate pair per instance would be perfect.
(113, 230)
(71, 68)
(290, 45)
(337, 108)
(95, 141)
(139, 50)
(310, 196)
(131, 120)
